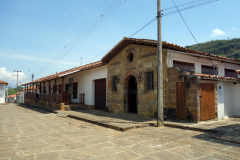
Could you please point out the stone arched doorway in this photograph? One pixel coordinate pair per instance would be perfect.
(132, 95)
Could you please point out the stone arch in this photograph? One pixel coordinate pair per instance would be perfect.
(124, 83)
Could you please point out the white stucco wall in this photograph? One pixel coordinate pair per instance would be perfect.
(21, 97)
(2, 93)
(228, 95)
(229, 99)
(12, 99)
(221, 106)
(178, 56)
(237, 98)
(85, 81)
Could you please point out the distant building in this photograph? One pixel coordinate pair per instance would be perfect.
(3, 85)
(20, 96)
(13, 98)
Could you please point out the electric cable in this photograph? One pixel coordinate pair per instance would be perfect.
(185, 22)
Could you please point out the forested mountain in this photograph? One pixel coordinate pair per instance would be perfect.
(226, 48)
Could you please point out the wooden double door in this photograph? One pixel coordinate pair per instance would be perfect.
(100, 94)
(207, 103)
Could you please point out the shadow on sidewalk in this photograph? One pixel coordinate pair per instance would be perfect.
(34, 108)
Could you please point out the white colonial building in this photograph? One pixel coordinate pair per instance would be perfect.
(3, 85)
(197, 86)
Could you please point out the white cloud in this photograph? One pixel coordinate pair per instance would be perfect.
(234, 29)
(31, 58)
(11, 77)
(217, 32)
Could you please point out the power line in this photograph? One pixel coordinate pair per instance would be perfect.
(89, 30)
(189, 7)
(153, 20)
(133, 33)
(59, 26)
(73, 29)
(191, 2)
(185, 22)
(82, 33)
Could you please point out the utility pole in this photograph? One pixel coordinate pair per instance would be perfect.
(160, 75)
(17, 77)
(32, 74)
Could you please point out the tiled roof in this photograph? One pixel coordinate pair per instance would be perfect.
(73, 70)
(221, 78)
(125, 41)
(32, 87)
(13, 95)
(3, 82)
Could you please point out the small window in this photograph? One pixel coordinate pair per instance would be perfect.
(183, 66)
(54, 89)
(230, 73)
(209, 70)
(114, 83)
(60, 88)
(66, 87)
(150, 81)
(75, 88)
(130, 57)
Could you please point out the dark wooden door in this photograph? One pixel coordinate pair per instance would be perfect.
(132, 95)
(207, 101)
(181, 100)
(100, 94)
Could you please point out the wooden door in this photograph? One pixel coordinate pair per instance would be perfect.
(100, 94)
(181, 100)
(132, 95)
(207, 101)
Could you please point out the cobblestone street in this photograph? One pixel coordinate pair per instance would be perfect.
(37, 134)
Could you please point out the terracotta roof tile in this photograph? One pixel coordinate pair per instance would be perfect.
(125, 41)
(213, 77)
(32, 87)
(14, 95)
(76, 69)
(3, 82)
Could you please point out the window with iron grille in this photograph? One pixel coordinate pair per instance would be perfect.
(183, 66)
(114, 83)
(150, 85)
(209, 70)
(75, 88)
(230, 73)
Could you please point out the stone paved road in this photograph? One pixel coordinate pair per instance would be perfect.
(35, 134)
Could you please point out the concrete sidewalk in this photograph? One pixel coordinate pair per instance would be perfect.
(225, 130)
(120, 122)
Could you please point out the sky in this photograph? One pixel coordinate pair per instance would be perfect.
(42, 37)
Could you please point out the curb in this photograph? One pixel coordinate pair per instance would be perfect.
(137, 126)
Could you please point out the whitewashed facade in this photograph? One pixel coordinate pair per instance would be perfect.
(228, 92)
(2, 93)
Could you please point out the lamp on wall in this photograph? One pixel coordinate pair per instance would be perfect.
(139, 77)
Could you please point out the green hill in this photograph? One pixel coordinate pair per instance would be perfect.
(226, 48)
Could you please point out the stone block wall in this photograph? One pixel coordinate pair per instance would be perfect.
(192, 95)
(144, 60)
